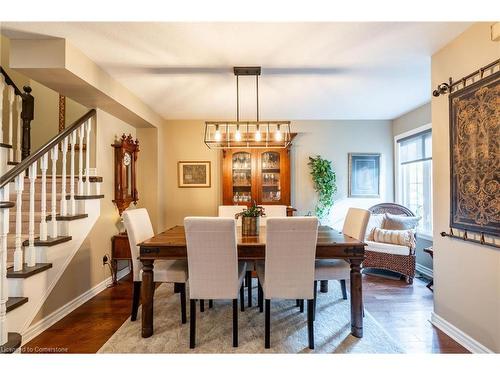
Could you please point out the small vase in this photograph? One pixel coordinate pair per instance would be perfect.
(250, 226)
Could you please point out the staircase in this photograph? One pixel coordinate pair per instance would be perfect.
(49, 202)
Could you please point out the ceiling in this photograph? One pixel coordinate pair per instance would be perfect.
(343, 70)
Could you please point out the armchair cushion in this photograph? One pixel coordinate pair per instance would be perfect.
(400, 222)
(396, 237)
(387, 248)
(375, 221)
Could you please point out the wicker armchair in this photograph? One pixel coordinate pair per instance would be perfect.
(403, 264)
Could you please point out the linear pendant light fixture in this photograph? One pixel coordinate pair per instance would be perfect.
(241, 134)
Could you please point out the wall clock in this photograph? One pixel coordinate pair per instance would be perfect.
(126, 150)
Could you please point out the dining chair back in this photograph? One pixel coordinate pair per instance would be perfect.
(212, 257)
(272, 211)
(355, 223)
(290, 254)
(231, 211)
(139, 229)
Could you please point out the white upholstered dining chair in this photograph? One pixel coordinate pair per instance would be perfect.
(288, 271)
(355, 224)
(272, 211)
(231, 211)
(214, 270)
(139, 229)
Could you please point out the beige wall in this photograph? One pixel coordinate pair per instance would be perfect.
(86, 270)
(466, 276)
(183, 140)
(418, 117)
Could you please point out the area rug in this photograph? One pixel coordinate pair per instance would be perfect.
(288, 329)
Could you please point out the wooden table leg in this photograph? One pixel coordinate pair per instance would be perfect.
(147, 297)
(356, 298)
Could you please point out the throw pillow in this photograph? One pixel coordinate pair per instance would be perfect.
(376, 221)
(400, 222)
(396, 237)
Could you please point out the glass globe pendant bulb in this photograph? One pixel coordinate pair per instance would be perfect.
(237, 135)
(258, 135)
(278, 136)
(218, 135)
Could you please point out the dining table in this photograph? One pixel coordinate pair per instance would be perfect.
(331, 244)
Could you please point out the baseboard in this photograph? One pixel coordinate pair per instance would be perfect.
(459, 336)
(60, 313)
(425, 271)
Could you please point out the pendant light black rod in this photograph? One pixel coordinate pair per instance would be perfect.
(237, 99)
(257, 85)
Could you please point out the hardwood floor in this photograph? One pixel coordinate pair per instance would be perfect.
(403, 310)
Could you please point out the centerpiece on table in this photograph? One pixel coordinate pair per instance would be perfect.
(250, 219)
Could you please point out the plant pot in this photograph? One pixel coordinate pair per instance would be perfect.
(250, 226)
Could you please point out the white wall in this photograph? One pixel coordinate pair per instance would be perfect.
(183, 140)
(466, 276)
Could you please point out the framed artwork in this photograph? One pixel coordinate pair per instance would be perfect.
(193, 174)
(474, 148)
(364, 175)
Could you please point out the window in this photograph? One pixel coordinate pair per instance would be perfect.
(414, 174)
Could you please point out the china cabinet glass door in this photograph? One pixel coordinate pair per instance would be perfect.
(242, 177)
(270, 177)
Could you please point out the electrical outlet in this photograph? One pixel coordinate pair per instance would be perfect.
(105, 260)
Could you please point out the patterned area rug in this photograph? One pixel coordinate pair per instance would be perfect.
(288, 329)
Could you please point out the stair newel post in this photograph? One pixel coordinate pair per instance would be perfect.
(54, 154)
(81, 135)
(11, 96)
(72, 203)
(64, 203)
(19, 128)
(44, 165)
(88, 128)
(2, 88)
(18, 251)
(27, 115)
(31, 258)
(4, 230)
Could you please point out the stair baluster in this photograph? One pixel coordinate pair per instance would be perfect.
(2, 88)
(31, 258)
(11, 95)
(54, 154)
(81, 134)
(19, 127)
(64, 202)
(4, 230)
(44, 165)
(72, 203)
(88, 128)
(18, 251)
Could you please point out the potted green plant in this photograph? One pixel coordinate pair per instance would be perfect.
(325, 184)
(250, 219)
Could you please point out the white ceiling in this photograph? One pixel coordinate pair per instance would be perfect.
(347, 70)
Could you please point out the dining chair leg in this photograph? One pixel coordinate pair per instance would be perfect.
(182, 294)
(310, 322)
(235, 323)
(301, 305)
(315, 298)
(249, 286)
(242, 298)
(192, 323)
(344, 289)
(136, 298)
(210, 303)
(260, 295)
(267, 340)
(202, 305)
(297, 302)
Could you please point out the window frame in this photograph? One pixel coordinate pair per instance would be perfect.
(397, 177)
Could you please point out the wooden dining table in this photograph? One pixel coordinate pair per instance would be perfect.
(331, 244)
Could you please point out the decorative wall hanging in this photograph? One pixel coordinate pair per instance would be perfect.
(475, 157)
(247, 134)
(193, 174)
(364, 175)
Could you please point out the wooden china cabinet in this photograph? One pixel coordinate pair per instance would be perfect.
(260, 174)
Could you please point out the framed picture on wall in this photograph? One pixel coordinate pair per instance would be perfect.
(193, 174)
(364, 175)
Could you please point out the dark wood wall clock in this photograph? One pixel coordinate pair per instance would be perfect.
(126, 150)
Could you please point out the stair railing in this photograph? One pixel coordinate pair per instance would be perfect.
(39, 160)
(21, 107)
